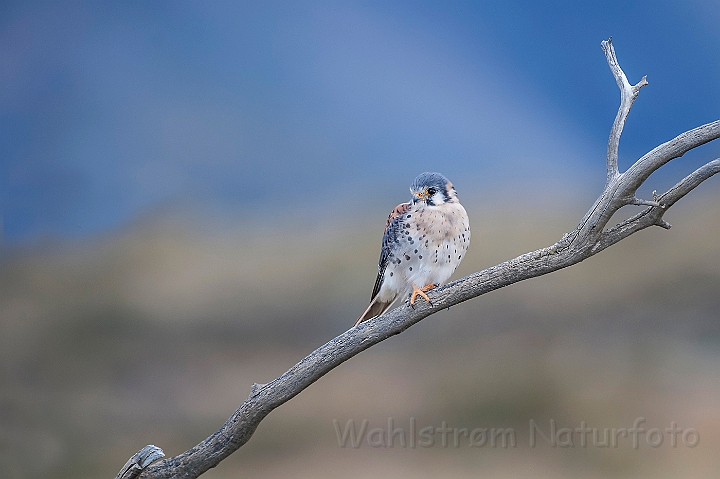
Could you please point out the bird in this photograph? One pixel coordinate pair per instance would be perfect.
(424, 242)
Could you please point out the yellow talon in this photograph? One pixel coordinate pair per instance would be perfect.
(421, 292)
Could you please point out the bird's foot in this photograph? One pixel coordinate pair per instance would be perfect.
(421, 292)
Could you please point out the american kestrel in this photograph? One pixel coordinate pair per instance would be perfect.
(424, 242)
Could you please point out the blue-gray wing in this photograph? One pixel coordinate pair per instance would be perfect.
(390, 239)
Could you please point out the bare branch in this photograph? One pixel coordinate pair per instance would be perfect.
(588, 238)
(687, 184)
(142, 459)
(654, 215)
(675, 148)
(628, 94)
(620, 191)
(638, 202)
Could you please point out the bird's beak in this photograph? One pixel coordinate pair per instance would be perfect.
(418, 196)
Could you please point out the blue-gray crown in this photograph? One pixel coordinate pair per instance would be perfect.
(428, 180)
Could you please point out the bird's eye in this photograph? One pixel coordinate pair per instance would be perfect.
(431, 191)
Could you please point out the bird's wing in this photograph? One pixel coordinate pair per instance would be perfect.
(399, 210)
(392, 229)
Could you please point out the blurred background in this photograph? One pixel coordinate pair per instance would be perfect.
(193, 197)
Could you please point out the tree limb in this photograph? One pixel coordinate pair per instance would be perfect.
(628, 94)
(142, 459)
(588, 238)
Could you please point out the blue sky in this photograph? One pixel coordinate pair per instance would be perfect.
(109, 110)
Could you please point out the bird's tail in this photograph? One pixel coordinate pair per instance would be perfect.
(376, 308)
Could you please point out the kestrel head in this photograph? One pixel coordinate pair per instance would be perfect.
(433, 189)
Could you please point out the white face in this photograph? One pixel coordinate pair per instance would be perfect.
(431, 195)
(438, 198)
